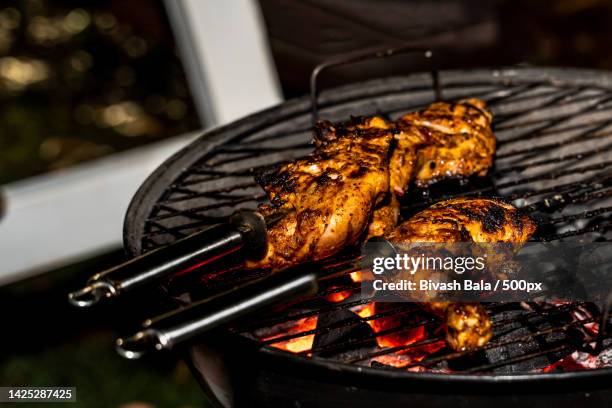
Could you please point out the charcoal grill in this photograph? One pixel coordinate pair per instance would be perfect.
(554, 128)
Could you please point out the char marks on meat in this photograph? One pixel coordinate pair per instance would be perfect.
(479, 220)
(330, 195)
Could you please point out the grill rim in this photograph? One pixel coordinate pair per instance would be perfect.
(156, 184)
(237, 348)
(473, 379)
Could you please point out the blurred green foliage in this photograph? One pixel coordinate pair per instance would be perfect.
(102, 378)
(80, 80)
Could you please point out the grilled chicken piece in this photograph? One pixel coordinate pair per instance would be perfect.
(466, 220)
(477, 220)
(450, 140)
(468, 325)
(330, 195)
(442, 141)
(385, 217)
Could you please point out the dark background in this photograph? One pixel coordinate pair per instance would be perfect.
(84, 79)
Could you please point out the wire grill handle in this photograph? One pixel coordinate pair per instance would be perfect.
(360, 56)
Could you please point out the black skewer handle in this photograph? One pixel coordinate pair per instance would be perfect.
(246, 231)
(168, 331)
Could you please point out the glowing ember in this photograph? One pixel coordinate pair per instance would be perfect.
(356, 276)
(410, 356)
(345, 294)
(338, 296)
(397, 328)
(579, 360)
(400, 333)
(365, 311)
(396, 338)
(360, 276)
(297, 344)
(399, 358)
(581, 314)
(394, 360)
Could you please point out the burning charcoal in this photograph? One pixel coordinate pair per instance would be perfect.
(500, 360)
(345, 326)
(580, 360)
(468, 361)
(376, 364)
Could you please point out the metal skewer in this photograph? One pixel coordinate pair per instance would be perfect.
(168, 331)
(179, 326)
(246, 231)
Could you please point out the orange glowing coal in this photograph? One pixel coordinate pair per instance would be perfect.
(297, 344)
(410, 356)
(339, 296)
(396, 328)
(360, 276)
(397, 337)
(304, 343)
(336, 297)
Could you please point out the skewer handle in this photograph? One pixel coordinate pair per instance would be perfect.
(246, 231)
(167, 331)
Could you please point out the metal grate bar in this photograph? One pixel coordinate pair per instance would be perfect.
(459, 354)
(549, 122)
(353, 342)
(453, 355)
(351, 323)
(518, 359)
(557, 100)
(583, 231)
(533, 151)
(523, 181)
(205, 220)
(557, 160)
(584, 215)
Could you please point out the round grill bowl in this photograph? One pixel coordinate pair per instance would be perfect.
(206, 180)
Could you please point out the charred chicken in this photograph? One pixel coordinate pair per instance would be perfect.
(448, 140)
(329, 195)
(445, 140)
(357, 171)
(478, 220)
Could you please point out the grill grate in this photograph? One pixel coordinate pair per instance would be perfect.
(554, 160)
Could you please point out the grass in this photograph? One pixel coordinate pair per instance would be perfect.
(102, 378)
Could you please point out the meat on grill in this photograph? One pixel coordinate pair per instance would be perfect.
(358, 168)
(479, 220)
(450, 140)
(385, 217)
(330, 194)
(445, 140)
